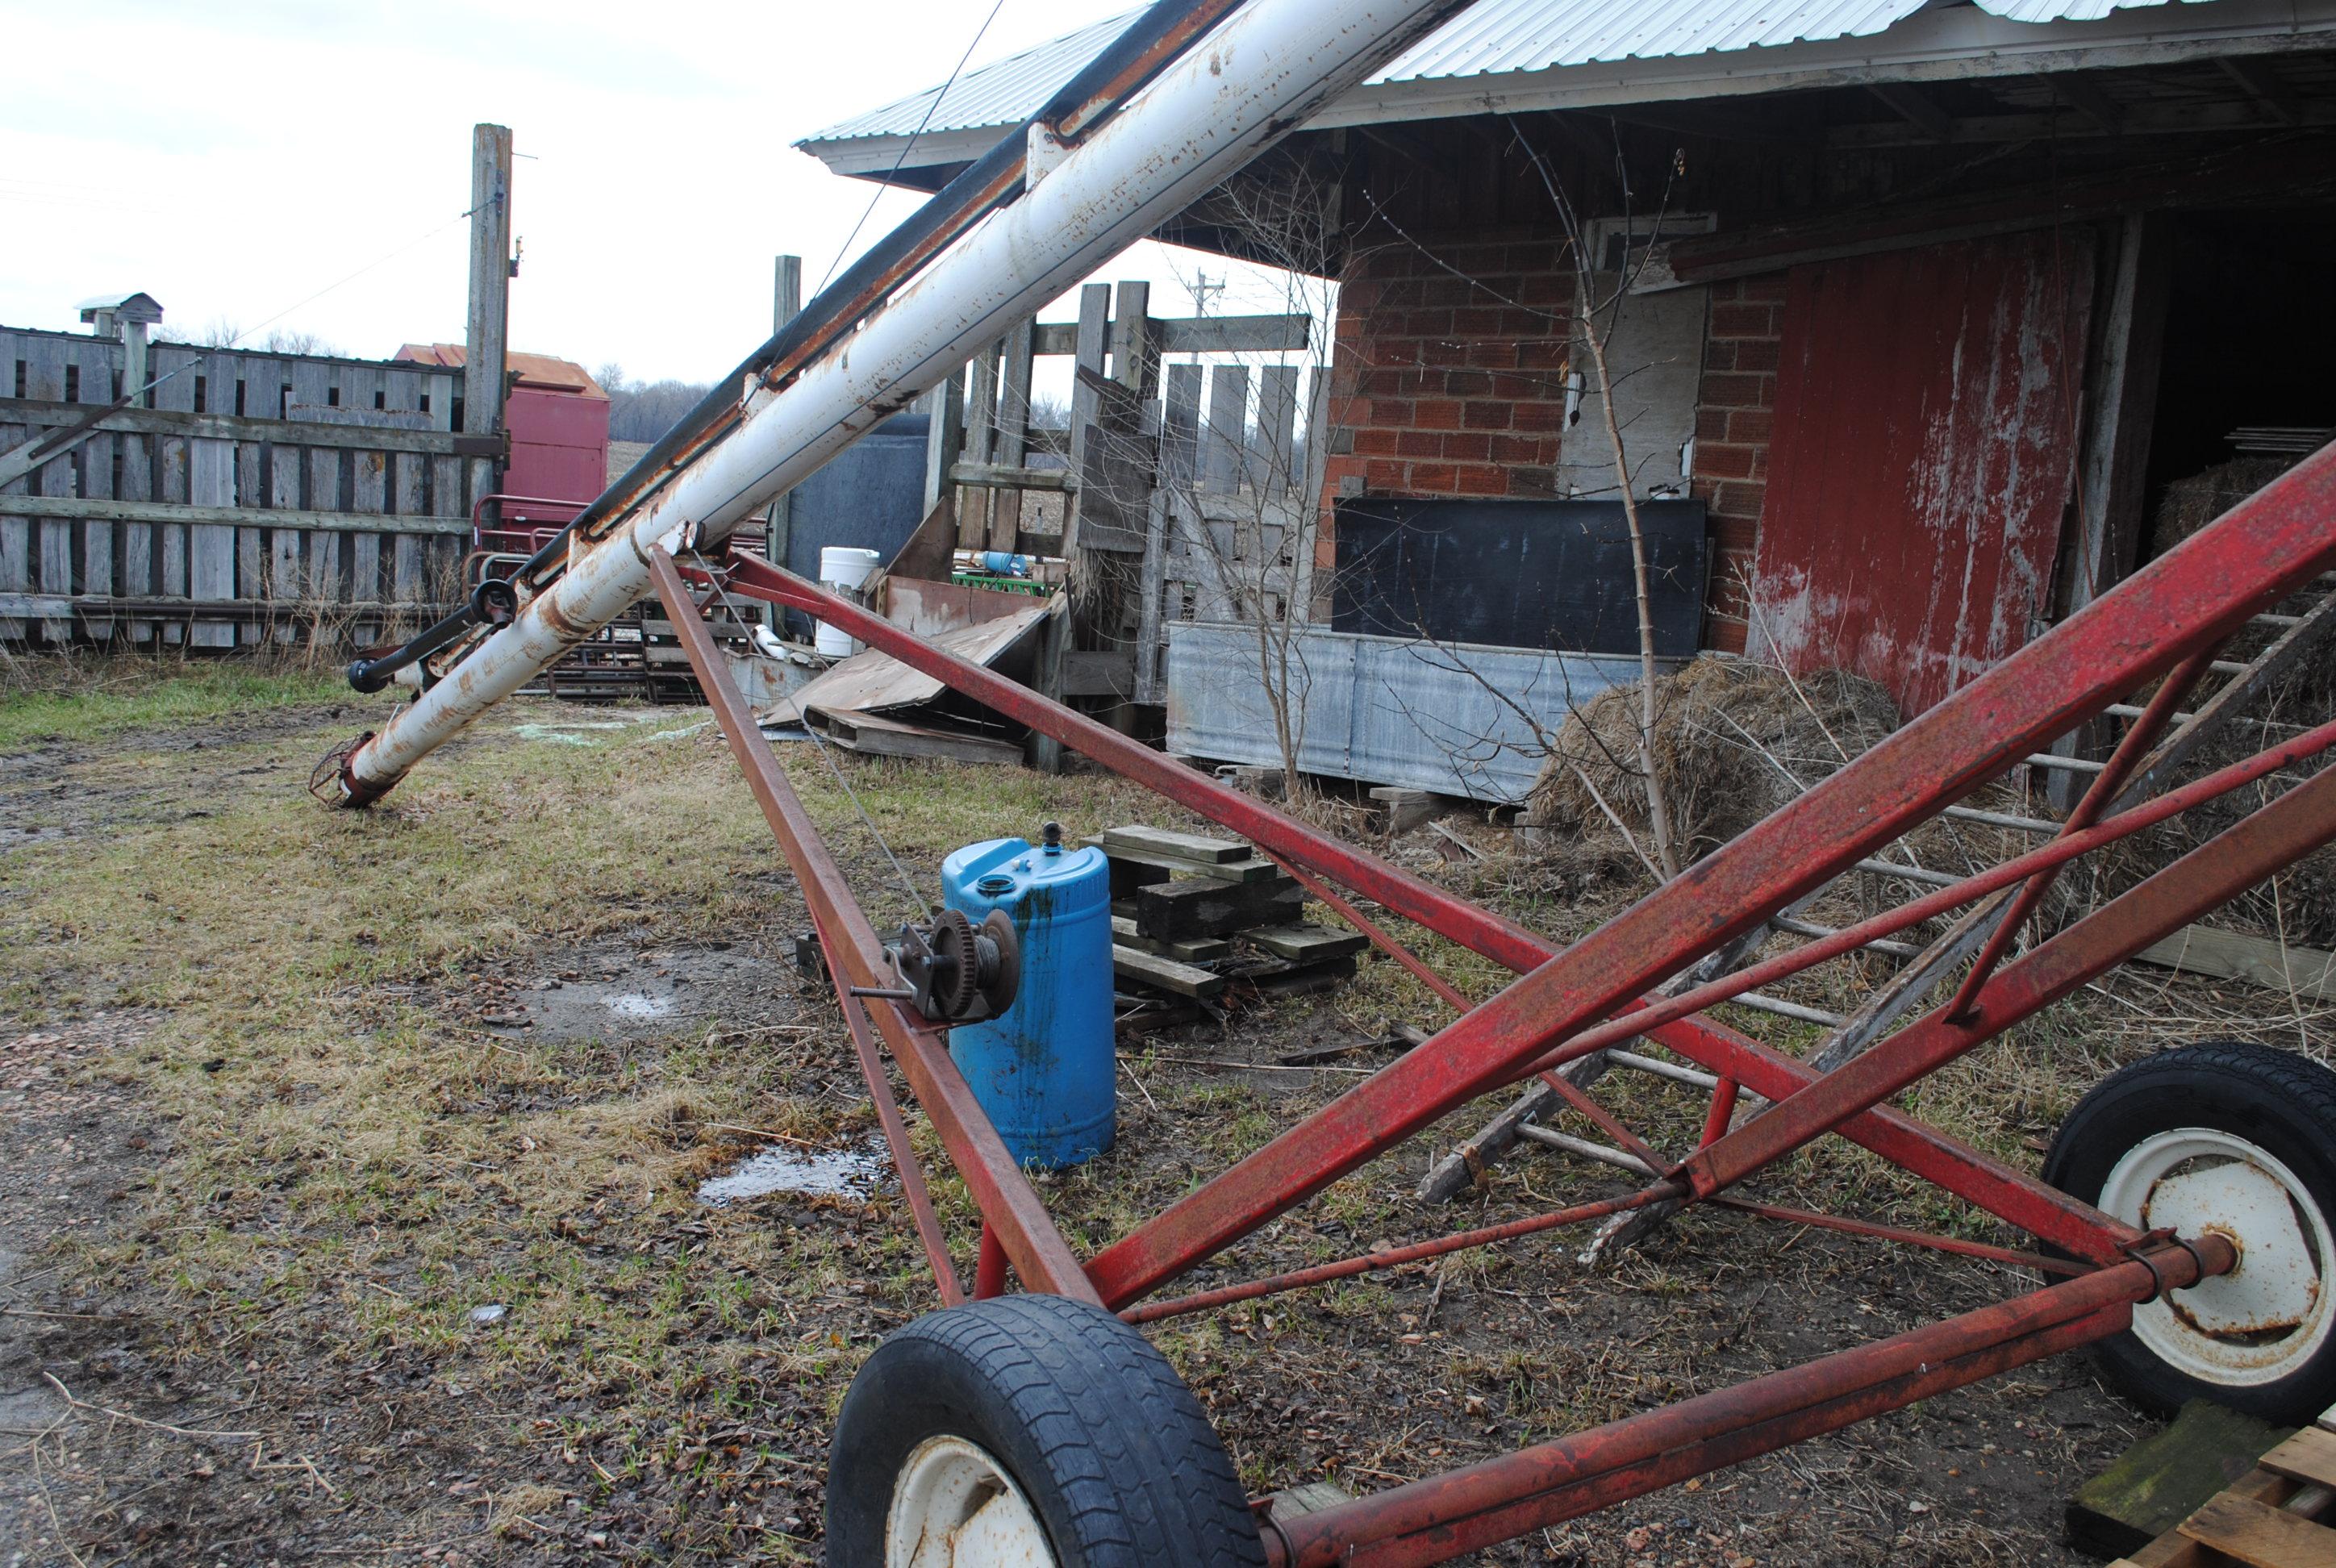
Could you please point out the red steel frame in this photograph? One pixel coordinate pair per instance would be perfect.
(2162, 625)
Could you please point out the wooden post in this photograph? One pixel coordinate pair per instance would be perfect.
(1013, 433)
(943, 438)
(1087, 402)
(779, 522)
(486, 342)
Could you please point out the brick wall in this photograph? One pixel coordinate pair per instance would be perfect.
(1732, 421)
(1448, 386)
(1444, 385)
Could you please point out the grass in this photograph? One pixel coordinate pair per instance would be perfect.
(353, 1162)
(78, 702)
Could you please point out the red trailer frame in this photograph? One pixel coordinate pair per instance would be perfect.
(2162, 626)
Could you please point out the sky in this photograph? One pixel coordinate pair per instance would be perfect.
(306, 162)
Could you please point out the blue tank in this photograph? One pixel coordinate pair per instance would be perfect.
(1044, 1069)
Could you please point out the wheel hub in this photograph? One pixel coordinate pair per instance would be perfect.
(955, 1506)
(2269, 1314)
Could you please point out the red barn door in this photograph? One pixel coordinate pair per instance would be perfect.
(1926, 421)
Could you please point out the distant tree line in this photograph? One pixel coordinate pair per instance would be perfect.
(645, 410)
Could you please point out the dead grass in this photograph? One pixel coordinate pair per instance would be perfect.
(354, 1162)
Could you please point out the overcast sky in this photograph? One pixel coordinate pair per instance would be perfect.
(233, 157)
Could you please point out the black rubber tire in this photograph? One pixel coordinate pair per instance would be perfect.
(1093, 1424)
(2283, 1103)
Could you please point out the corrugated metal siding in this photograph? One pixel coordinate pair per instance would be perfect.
(1383, 710)
(1925, 443)
(1493, 37)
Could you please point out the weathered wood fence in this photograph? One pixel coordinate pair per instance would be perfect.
(255, 496)
(1191, 486)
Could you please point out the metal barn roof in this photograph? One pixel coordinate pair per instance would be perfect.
(1509, 55)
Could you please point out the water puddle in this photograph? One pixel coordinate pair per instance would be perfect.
(850, 1173)
(638, 1005)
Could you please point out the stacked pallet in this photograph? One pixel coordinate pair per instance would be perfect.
(1190, 914)
(2268, 1519)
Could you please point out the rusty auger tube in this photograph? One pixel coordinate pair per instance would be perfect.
(1266, 71)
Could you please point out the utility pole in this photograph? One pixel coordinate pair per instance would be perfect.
(486, 343)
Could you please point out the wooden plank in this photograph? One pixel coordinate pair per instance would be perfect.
(2260, 1536)
(1178, 911)
(1227, 437)
(2306, 973)
(1305, 943)
(16, 529)
(179, 514)
(1275, 447)
(2309, 1455)
(1135, 354)
(97, 360)
(878, 735)
(1257, 869)
(1180, 425)
(2162, 1480)
(981, 440)
(210, 547)
(1163, 974)
(1086, 400)
(43, 359)
(1200, 949)
(944, 442)
(1196, 335)
(1012, 448)
(1168, 842)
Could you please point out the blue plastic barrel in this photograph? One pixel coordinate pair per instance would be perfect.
(1043, 1069)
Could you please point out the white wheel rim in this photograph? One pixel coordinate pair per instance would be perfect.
(954, 1506)
(2265, 1320)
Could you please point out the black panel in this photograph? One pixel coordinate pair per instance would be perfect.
(1546, 574)
(872, 495)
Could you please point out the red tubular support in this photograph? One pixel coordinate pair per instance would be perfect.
(2291, 827)
(1722, 1112)
(856, 956)
(2128, 755)
(1378, 939)
(1445, 1516)
(1390, 1257)
(989, 1271)
(2009, 1194)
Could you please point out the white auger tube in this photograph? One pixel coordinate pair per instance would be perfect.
(1233, 94)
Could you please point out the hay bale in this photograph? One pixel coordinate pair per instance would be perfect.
(1732, 742)
(2190, 504)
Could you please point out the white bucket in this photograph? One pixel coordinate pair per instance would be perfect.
(842, 568)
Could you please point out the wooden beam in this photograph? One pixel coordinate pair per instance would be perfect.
(2141, 120)
(34, 411)
(1192, 335)
(231, 516)
(2262, 83)
(2081, 93)
(1011, 476)
(2305, 973)
(1915, 106)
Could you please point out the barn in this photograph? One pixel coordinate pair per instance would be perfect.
(1921, 323)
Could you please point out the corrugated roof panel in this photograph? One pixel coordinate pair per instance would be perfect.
(1503, 35)
(1003, 92)
(1492, 37)
(2064, 10)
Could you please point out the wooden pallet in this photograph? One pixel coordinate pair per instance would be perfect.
(2268, 1519)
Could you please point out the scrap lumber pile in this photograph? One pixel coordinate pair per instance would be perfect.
(1193, 914)
(2270, 1518)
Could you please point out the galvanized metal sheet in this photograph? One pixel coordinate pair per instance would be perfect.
(1382, 710)
(1491, 37)
(1926, 447)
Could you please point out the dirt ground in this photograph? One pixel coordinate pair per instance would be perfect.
(352, 1212)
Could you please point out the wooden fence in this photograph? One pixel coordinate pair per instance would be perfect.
(1191, 486)
(254, 496)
